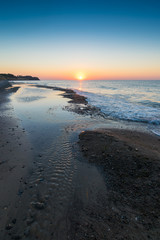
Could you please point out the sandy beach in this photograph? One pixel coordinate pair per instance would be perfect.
(130, 163)
(15, 159)
(62, 178)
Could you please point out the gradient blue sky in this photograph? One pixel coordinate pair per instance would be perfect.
(96, 39)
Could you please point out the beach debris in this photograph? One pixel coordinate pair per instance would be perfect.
(27, 231)
(20, 192)
(1, 162)
(38, 205)
(14, 220)
(16, 237)
(29, 221)
(9, 226)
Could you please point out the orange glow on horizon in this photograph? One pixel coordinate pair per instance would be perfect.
(101, 74)
(128, 73)
(80, 76)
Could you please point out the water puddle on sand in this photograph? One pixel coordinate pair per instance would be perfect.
(61, 178)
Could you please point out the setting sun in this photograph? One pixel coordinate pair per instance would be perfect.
(80, 76)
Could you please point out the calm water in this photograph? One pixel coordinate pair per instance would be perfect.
(137, 101)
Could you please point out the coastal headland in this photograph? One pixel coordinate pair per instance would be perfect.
(63, 177)
(11, 77)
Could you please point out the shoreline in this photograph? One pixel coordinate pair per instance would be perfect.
(80, 105)
(123, 206)
(68, 93)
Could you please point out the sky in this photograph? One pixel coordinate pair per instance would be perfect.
(73, 39)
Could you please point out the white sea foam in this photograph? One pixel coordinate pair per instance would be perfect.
(126, 104)
(156, 131)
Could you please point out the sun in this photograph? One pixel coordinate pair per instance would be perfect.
(80, 76)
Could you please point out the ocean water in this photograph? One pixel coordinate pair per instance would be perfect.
(136, 101)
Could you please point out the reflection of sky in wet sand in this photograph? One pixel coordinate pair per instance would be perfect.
(29, 99)
(42, 115)
(39, 105)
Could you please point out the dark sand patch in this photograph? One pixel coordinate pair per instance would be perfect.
(130, 162)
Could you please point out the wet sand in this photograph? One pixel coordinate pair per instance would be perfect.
(46, 165)
(103, 186)
(15, 160)
(130, 164)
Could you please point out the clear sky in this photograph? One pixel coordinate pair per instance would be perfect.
(58, 39)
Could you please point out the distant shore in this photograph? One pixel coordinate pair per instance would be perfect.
(11, 77)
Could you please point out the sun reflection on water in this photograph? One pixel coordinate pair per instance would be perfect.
(80, 86)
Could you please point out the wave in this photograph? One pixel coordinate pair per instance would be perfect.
(118, 107)
(150, 103)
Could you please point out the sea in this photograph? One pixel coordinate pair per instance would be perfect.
(127, 100)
